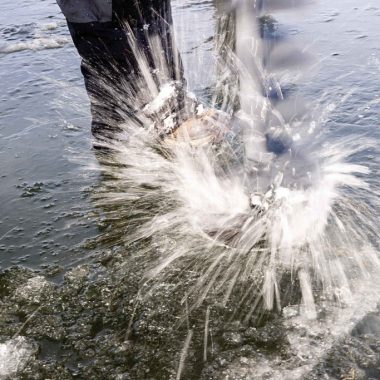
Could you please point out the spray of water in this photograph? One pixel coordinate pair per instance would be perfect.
(239, 191)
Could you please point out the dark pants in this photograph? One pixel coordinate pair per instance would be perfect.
(109, 66)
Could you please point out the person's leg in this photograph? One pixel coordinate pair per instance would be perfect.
(109, 65)
(151, 24)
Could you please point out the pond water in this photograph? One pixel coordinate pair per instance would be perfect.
(45, 121)
(48, 215)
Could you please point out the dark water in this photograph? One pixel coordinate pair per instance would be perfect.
(46, 212)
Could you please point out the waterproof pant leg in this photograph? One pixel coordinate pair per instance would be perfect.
(107, 58)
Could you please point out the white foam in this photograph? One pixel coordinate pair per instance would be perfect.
(40, 43)
(14, 355)
(50, 26)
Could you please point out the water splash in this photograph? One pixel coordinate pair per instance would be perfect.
(270, 201)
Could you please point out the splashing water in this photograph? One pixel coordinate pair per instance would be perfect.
(251, 198)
